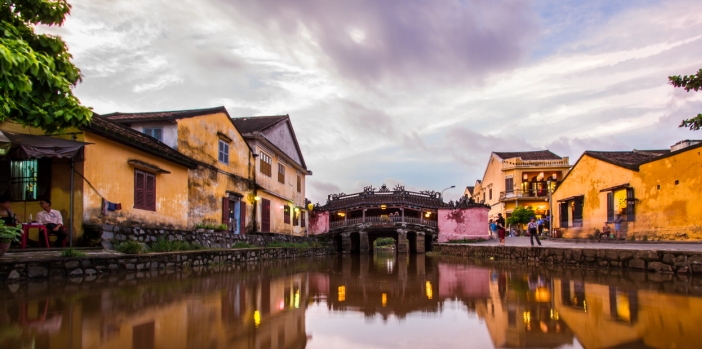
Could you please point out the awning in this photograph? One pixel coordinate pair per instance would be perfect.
(576, 197)
(24, 146)
(621, 186)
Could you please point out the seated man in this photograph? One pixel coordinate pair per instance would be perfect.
(605, 231)
(52, 220)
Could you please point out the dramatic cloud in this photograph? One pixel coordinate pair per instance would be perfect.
(415, 92)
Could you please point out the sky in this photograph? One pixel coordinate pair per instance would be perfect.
(412, 92)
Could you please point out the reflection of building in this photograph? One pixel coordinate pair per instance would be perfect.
(519, 313)
(211, 312)
(384, 284)
(604, 316)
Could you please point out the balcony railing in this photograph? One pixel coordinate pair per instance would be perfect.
(521, 194)
(518, 163)
(381, 219)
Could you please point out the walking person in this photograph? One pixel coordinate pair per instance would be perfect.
(501, 230)
(618, 226)
(532, 228)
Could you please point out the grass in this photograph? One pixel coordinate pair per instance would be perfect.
(71, 252)
(288, 244)
(130, 247)
(243, 245)
(163, 245)
(465, 241)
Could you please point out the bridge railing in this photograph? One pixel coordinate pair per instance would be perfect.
(381, 219)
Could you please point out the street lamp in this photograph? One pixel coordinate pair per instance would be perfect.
(442, 192)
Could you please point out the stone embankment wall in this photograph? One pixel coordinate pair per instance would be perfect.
(111, 234)
(664, 261)
(58, 267)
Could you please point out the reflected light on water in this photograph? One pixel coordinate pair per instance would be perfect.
(342, 293)
(384, 299)
(257, 318)
(430, 292)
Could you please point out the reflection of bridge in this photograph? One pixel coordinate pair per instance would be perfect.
(413, 219)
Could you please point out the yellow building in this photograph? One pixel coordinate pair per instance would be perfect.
(220, 189)
(280, 173)
(515, 179)
(654, 192)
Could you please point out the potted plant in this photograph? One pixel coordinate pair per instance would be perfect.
(210, 228)
(8, 234)
(200, 227)
(221, 227)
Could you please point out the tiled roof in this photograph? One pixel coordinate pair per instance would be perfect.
(529, 155)
(252, 124)
(470, 189)
(387, 199)
(162, 115)
(626, 159)
(101, 126)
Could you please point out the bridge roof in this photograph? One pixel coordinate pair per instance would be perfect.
(384, 196)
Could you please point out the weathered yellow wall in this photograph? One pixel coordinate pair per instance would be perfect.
(278, 224)
(587, 178)
(197, 138)
(107, 169)
(674, 211)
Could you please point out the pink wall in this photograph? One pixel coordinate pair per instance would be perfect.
(319, 223)
(463, 223)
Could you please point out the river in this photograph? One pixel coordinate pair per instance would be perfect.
(378, 301)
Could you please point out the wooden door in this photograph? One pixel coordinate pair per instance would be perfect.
(265, 215)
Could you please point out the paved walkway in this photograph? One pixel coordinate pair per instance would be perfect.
(625, 245)
(34, 254)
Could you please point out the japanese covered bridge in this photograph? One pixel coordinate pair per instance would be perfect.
(414, 219)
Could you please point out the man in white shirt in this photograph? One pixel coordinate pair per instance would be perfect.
(52, 220)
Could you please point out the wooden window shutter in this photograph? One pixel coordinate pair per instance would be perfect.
(299, 184)
(610, 206)
(150, 200)
(139, 189)
(225, 210)
(302, 219)
(564, 214)
(242, 217)
(630, 203)
(286, 214)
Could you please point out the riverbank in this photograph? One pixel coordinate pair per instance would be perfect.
(670, 258)
(42, 265)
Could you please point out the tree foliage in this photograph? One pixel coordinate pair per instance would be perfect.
(689, 82)
(36, 73)
(521, 215)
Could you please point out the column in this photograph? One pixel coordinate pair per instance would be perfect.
(345, 243)
(363, 219)
(363, 246)
(402, 245)
(420, 243)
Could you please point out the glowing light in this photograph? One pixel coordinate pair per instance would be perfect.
(257, 198)
(427, 214)
(542, 295)
(527, 318)
(297, 299)
(384, 299)
(430, 292)
(281, 305)
(297, 209)
(342, 293)
(382, 207)
(341, 214)
(257, 318)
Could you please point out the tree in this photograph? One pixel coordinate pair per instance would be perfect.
(689, 82)
(521, 215)
(36, 73)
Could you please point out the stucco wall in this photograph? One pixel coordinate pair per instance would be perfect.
(278, 224)
(587, 178)
(287, 189)
(319, 222)
(673, 211)
(281, 136)
(169, 131)
(463, 223)
(113, 178)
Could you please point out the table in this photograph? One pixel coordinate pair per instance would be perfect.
(25, 233)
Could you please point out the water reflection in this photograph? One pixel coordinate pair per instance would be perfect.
(275, 304)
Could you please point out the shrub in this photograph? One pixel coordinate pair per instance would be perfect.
(384, 242)
(71, 252)
(130, 247)
(163, 245)
(9, 233)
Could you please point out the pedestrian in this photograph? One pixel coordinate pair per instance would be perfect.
(618, 226)
(540, 223)
(532, 228)
(493, 228)
(501, 230)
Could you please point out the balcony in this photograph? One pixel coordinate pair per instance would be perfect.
(524, 195)
(510, 164)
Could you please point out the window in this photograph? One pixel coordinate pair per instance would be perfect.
(27, 180)
(296, 218)
(299, 184)
(490, 196)
(621, 203)
(281, 173)
(144, 190)
(223, 152)
(286, 214)
(509, 184)
(266, 164)
(154, 132)
(302, 219)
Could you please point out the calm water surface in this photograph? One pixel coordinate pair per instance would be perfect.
(379, 301)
